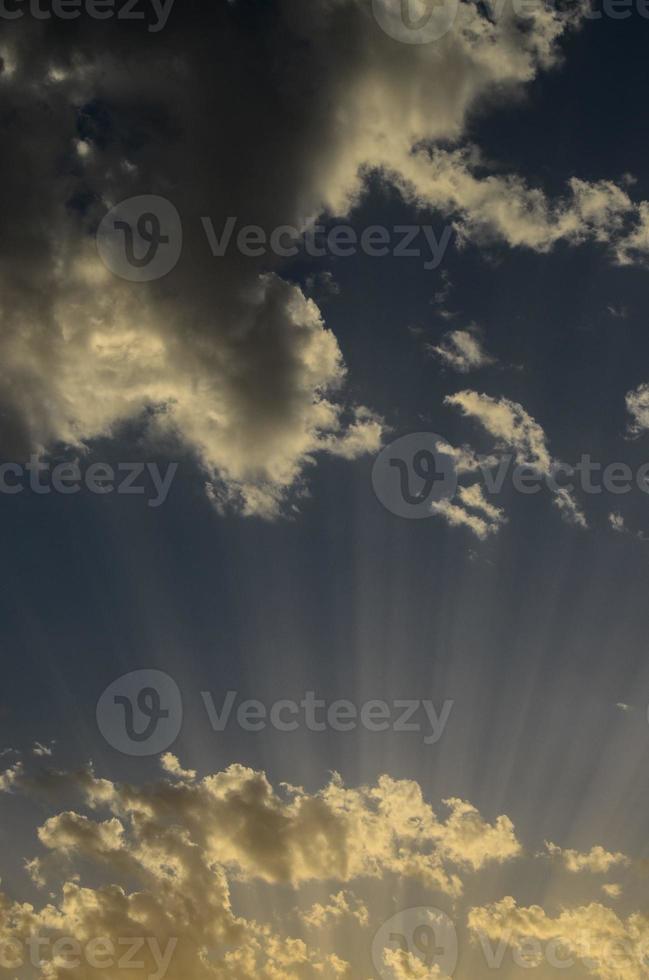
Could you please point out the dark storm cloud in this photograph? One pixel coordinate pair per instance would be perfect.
(272, 114)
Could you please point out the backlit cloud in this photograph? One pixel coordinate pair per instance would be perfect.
(597, 860)
(171, 862)
(513, 428)
(225, 358)
(462, 351)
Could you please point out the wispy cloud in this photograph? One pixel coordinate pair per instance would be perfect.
(462, 350)
(512, 427)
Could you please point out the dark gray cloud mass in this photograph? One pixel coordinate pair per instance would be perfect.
(273, 114)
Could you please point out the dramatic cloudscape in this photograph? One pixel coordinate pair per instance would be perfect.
(324, 489)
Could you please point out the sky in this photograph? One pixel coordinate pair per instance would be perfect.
(324, 472)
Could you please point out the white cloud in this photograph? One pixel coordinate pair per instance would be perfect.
(473, 497)
(457, 516)
(612, 890)
(340, 906)
(514, 428)
(242, 823)
(179, 859)
(462, 350)
(504, 208)
(634, 248)
(404, 965)
(607, 945)
(597, 860)
(163, 858)
(569, 508)
(465, 458)
(637, 405)
(486, 521)
(171, 765)
(508, 422)
(616, 522)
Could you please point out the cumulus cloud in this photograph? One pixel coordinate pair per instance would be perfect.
(171, 765)
(165, 856)
(172, 862)
(224, 357)
(241, 822)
